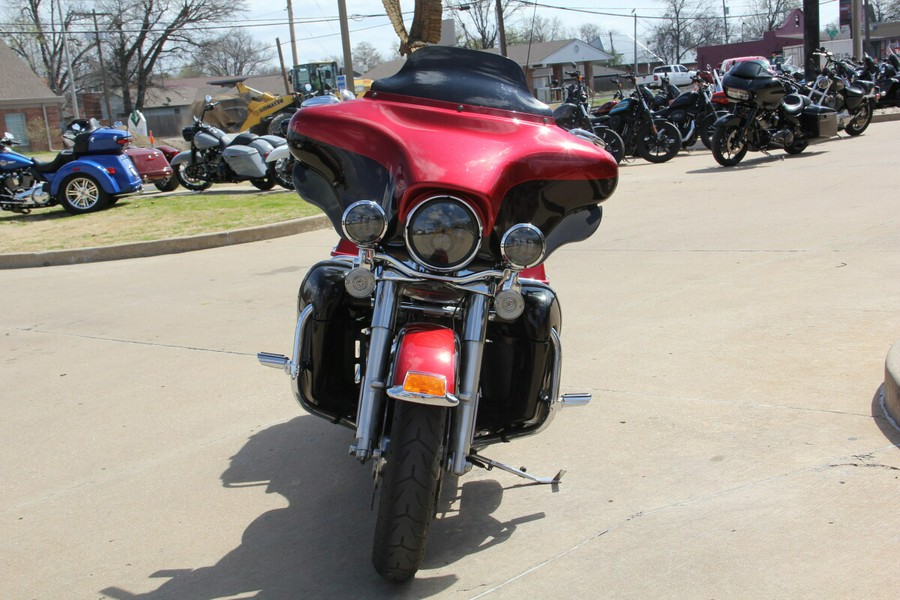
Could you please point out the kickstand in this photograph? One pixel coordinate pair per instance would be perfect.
(488, 464)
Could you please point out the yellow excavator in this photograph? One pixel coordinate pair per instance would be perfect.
(262, 112)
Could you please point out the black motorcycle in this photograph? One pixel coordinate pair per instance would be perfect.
(767, 113)
(693, 112)
(837, 86)
(573, 115)
(886, 76)
(651, 137)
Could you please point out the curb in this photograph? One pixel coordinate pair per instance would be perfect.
(53, 258)
(892, 382)
(882, 117)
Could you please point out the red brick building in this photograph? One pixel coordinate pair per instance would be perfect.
(28, 109)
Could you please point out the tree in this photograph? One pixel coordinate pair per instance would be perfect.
(146, 32)
(476, 23)
(36, 36)
(536, 30)
(366, 57)
(234, 52)
(766, 15)
(686, 25)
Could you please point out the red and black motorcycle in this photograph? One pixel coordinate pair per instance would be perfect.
(432, 332)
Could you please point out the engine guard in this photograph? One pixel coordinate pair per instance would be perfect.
(424, 366)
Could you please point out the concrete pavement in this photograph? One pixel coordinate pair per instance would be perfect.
(732, 325)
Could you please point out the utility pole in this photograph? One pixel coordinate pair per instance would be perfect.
(109, 114)
(287, 88)
(345, 42)
(501, 29)
(634, 69)
(810, 36)
(290, 10)
(65, 41)
(725, 19)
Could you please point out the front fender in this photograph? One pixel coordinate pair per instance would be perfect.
(728, 119)
(278, 153)
(424, 368)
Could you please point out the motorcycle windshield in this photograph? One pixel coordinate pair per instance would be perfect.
(459, 122)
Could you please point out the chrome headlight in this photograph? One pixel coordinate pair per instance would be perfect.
(443, 233)
(364, 222)
(822, 83)
(522, 246)
(737, 94)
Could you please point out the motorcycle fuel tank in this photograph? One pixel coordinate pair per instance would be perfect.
(204, 140)
(10, 161)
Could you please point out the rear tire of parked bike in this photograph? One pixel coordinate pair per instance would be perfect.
(661, 146)
(167, 185)
(409, 485)
(725, 148)
(80, 194)
(182, 174)
(264, 183)
(282, 171)
(861, 121)
(613, 142)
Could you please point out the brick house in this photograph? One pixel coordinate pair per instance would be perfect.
(27, 104)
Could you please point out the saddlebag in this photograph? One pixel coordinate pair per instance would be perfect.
(245, 161)
(818, 121)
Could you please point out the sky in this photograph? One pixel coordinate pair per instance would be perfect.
(318, 33)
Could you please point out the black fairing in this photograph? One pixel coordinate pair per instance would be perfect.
(462, 76)
(753, 76)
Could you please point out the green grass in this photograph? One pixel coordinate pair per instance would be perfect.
(149, 217)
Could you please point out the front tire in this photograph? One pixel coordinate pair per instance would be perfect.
(80, 194)
(410, 482)
(612, 141)
(189, 177)
(282, 171)
(861, 121)
(728, 146)
(661, 146)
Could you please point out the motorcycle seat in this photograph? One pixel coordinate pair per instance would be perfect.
(56, 164)
(243, 139)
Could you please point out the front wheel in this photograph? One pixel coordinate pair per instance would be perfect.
(728, 145)
(861, 121)
(410, 476)
(264, 183)
(81, 194)
(282, 171)
(707, 128)
(660, 146)
(190, 176)
(612, 142)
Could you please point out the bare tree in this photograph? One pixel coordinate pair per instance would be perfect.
(36, 36)
(235, 52)
(144, 32)
(687, 25)
(766, 15)
(366, 57)
(477, 23)
(536, 30)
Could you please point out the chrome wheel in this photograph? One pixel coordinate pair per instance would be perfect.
(82, 194)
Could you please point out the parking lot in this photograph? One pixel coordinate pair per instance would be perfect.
(732, 325)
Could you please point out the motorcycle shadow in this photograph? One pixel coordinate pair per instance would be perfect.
(756, 161)
(319, 545)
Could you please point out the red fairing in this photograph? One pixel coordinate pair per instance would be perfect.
(427, 348)
(428, 144)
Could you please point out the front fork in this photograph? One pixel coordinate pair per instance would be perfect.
(375, 384)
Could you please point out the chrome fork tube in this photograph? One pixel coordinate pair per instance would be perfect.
(371, 394)
(470, 372)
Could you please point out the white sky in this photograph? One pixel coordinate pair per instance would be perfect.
(318, 30)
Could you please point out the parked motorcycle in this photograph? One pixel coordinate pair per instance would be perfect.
(217, 157)
(836, 87)
(280, 160)
(693, 112)
(652, 138)
(91, 176)
(432, 332)
(767, 113)
(572, 115)
(886, 76)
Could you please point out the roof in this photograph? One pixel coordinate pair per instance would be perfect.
(19, 85)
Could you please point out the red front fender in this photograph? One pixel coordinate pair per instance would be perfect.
(424, 369)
